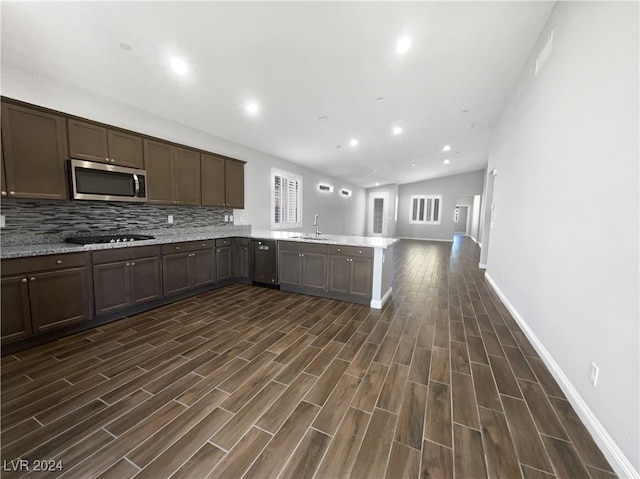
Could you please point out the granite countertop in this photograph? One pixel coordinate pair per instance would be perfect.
(27, 250)
(360, 241)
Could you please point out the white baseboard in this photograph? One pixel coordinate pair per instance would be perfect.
(483, 266)
(617, 459)
(379, 303)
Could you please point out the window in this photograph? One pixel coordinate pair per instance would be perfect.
(425, 209)
(286, 199)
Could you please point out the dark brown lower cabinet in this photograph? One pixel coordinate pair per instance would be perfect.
(187, 265)
(350, 271)
(224, 262)
(303, 265)
(44, 293)
(121, 284)
(242, 264)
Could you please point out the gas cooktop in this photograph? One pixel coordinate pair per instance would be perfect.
(106, 239)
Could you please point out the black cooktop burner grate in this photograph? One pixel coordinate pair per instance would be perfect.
(106, 239)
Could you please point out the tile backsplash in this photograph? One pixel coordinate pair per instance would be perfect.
(40, 221)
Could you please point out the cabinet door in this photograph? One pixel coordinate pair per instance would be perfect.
(59, 298)
(125, 149)
(186, 174)
(290, 268)
(175, 273)
(234, 184)
(202, 267)
(111, 287)
(88, 141)
(2, 176)
(339, 268)
(16, 314)
(145, 282)
(158, 159)
(223, 263)
(361, 277)
(314, 271)
(244, 267)
(212, 176)
(34, 147)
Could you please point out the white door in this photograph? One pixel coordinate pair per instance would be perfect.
(378, 214)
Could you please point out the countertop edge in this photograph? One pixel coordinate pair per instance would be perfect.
(25, 251)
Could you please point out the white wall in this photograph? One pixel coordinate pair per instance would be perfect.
(338, 215)
(564, 246)
(451, 188)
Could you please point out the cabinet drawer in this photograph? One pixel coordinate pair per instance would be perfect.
(186, 246)
(303, 247)
(43, 263)
(124, 254)
(351, 251)
(223, 242)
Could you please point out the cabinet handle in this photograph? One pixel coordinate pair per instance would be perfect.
(133, 264)
(359, 251)
(32, 278)
(177, 247)
(128, 264)
(203, 244)
(59, 261)
(23, 280)
(12, 193)
(4, 193)
(339, 250)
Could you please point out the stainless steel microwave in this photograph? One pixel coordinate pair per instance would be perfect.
(98, 181)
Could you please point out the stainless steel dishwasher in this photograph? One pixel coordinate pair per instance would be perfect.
(265, 262)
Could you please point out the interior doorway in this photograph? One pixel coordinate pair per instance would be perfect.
(461, 219)
(378, 213)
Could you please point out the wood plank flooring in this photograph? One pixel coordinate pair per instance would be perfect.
(258, 383)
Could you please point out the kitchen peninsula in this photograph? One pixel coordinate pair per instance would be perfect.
(53, 289)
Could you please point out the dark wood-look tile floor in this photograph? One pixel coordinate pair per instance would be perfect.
(254, 382)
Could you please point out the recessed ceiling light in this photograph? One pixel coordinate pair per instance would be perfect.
(380, 98)
(403, 45)
(339, 146)
(252, 107)
(179, 66)
(323, 118)
(126, 47)
(396, 130)
(446, 148)
(446, 162)
(413, 164)
(377, 184)
(353, 142)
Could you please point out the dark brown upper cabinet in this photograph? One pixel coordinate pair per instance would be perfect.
(173, 174)
(34, 145)
(88, 141)
(222, 181)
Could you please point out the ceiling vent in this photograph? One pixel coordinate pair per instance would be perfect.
(544, 54)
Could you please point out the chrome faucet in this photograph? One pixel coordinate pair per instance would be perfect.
(315, 223)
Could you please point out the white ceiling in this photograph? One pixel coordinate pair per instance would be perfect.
(299, 61)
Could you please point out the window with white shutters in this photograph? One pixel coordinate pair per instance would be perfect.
(425, 209)
(286, 199)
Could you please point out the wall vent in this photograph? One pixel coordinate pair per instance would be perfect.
(544, 55)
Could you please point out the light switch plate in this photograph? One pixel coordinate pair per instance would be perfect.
(2, 221)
